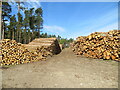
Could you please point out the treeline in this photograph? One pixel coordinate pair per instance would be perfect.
(61, 40)
(24, 26)
(45, 35)
(64, 41)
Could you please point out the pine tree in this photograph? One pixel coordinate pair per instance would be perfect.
(19, 27)
(32, 22)
(12, 27)
(19, 31)
(6, 9)
(39, 20)
(26, 25)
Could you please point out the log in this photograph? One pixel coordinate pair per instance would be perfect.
(101, 45)
(47, 46)
(14, 53)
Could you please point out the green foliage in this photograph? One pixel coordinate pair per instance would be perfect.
(45, 35)
(61, 40)
(6, 10)
(66, 42)
(38, 20)
(12, 27)
(26, 27)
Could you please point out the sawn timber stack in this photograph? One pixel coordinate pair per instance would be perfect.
(44, 46)
(101, 45)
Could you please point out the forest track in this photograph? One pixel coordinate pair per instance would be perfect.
(64, 70)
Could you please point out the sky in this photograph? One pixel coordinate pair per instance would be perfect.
(73, 19)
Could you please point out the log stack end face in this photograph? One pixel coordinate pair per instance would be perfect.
(101, 45)
(14, 53)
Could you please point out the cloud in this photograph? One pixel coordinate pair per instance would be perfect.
(108, 27)
(105, 19)
(105, 28)
(101, 28)
(113, 26)
(54, 29)
(33, 4)
(106, 22)
(28, 3)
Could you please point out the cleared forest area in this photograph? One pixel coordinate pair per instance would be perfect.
(33, 55)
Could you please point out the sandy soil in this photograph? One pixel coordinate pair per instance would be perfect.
(64, 70)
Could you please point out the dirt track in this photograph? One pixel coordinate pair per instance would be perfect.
(63, 71)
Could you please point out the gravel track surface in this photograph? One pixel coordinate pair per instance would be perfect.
(64, 70)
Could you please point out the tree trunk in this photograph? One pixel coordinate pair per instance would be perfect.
(3, 30)
(38, 33)
(29, 38)
(18, 29)
(13, 35)
(0, 19)
(25, 36)
(32, 34)
(20, 35)
(17, 34)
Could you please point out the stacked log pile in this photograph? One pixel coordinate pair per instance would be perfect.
(43, 50)
(14, 53)
(99, 45)
(44, 46)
